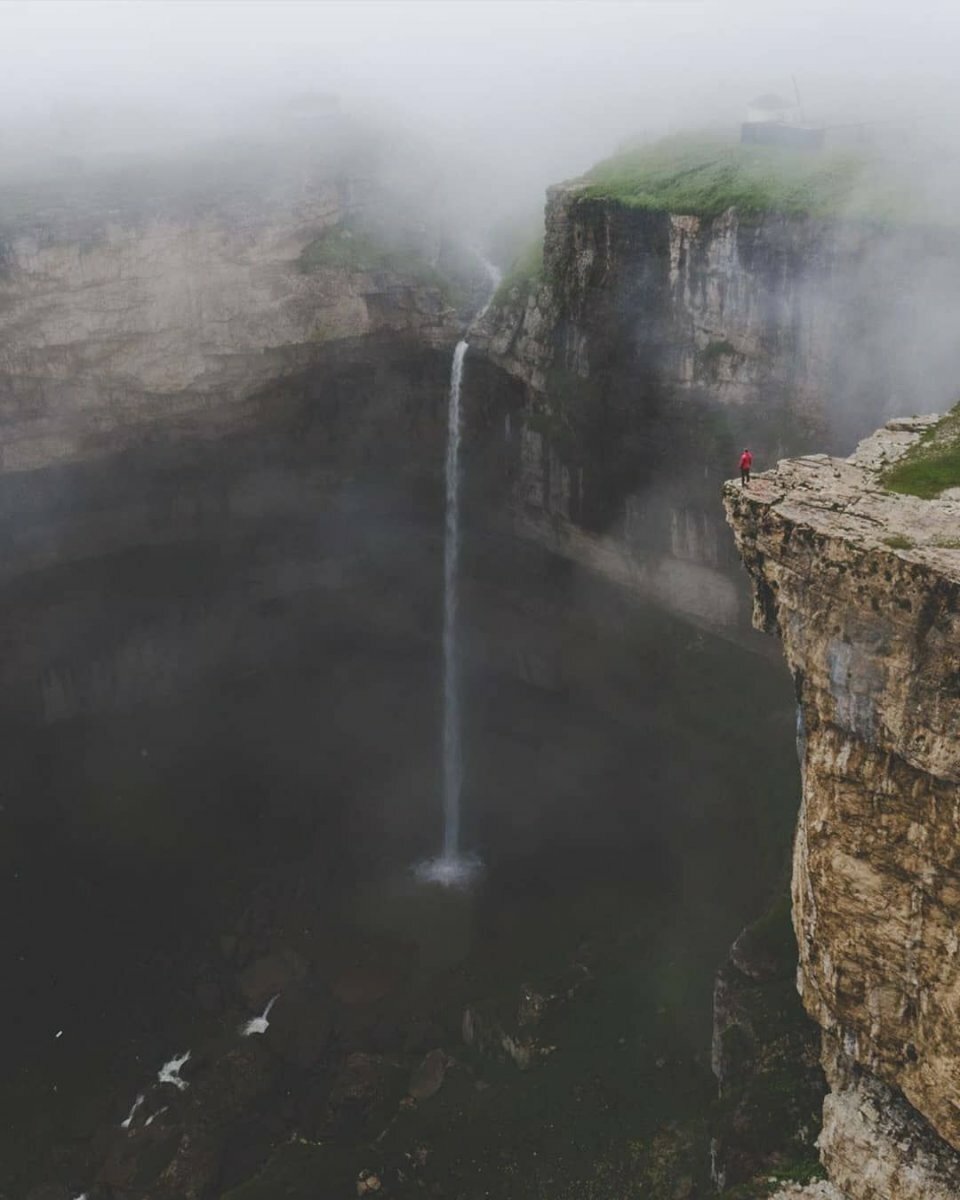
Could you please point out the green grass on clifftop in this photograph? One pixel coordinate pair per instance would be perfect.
(932, 464)
(703, 175)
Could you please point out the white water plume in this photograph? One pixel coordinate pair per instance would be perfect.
(452, 871)
(170, 1071)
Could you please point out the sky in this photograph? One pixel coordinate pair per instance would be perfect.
(540, 88)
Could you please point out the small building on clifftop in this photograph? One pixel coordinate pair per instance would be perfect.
(774, 121)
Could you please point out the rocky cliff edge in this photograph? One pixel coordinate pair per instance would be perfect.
(863, 588)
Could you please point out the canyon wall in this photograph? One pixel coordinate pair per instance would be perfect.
(653, 346)
(240, 357)
(863, 588)
(151, 305)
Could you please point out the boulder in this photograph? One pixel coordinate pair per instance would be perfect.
(271, 975)
(300, 1025)
(426, 1079)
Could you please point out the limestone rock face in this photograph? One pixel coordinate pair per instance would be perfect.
(750, 307)
(174, 318)
(810, 1191)
(874, 1144)
(863, 587)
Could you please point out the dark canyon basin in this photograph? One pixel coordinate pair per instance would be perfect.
(222, 764)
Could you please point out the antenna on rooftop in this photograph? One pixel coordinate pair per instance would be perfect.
(796, 92)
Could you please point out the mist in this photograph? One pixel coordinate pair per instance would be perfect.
(510, 97)
(256, 636)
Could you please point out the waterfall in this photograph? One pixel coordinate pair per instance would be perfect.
(452, 748)
(453, 867)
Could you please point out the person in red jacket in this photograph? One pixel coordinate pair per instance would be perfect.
(746, 462)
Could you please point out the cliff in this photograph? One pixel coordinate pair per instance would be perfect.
(164, 300)
(863, 588)
(654, 344)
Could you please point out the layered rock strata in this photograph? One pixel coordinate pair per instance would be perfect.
(863, 588)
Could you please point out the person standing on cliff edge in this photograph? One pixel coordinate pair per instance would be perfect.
(746, 462)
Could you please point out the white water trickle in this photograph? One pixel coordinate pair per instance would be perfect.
(125, 1124)
(259, 1024)
(453, 868)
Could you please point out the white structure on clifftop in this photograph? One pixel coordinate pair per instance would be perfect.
(774, 121)
(773, 109)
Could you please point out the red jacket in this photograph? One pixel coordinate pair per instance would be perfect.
(746, 460)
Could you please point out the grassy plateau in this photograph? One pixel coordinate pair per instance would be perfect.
(705, 174)
(932, 464)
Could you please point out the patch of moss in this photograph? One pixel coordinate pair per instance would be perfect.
(899, 542)
(930, 466)
(718, 349)
(705, 174)
(802, 1171)
(715, 352)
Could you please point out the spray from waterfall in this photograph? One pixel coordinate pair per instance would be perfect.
(453, 867)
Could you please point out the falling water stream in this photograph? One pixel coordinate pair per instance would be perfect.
(453, 867)
(452, 749)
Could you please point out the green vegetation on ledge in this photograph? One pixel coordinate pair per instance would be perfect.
(704, 175)
(932, 464)
(348, 249)
(525, 272)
